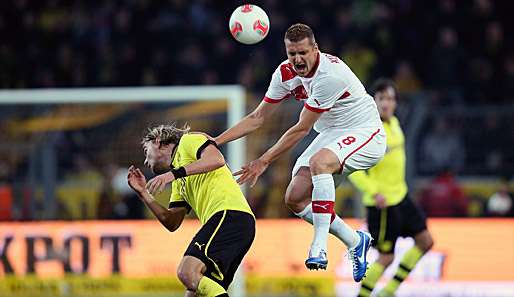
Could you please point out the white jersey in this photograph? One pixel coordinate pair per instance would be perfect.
(333, 89)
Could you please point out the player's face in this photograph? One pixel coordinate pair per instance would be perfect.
(386, 103)
(302, 54)
(157, 158)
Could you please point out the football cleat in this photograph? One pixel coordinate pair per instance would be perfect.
(358, 256)
(317, 262)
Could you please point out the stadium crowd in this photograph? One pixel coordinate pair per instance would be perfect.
(461, 49)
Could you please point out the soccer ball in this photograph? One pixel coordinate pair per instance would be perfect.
(249, 24)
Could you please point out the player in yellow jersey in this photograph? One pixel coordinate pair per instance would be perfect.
(202, 182)
(390, 211)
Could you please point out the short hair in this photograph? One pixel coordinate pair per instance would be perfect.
(299, 32)
(382, 84)
(166, 134)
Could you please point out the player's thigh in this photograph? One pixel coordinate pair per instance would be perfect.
(331, 148)
(190, 270)
(315, 146)
(383, 225)
(229, 244)
(198, 246)
(191, 263)
(357, 149)
(413, 218)
(299, 190)
(324, 161)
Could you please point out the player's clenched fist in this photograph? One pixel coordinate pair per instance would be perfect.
(157, 184)
(136, 179)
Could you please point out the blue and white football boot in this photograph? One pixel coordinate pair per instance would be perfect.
(319, 261)
(358, 255)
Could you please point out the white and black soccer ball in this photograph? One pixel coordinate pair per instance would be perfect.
(249, 24)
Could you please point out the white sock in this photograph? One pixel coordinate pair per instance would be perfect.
(344, 232)
(338, 227)
(323, 197)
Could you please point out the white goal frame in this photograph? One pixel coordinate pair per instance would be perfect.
(233, 94)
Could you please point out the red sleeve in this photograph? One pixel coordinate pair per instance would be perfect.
(315, 109)
(271, 100)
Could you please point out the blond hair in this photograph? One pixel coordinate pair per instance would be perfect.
(165, 134)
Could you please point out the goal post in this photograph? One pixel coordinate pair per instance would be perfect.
(233, 94)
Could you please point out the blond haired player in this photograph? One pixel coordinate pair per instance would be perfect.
(351, 138)
(202, 182)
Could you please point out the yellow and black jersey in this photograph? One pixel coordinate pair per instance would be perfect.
(205, 193)
(387, 177)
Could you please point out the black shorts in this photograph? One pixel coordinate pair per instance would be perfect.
(405, 219)
(222, 243)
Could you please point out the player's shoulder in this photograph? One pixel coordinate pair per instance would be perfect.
(330, 59)
(332, 64)
(199, 134)
(285, 71)
(193, 137)
(395, 121)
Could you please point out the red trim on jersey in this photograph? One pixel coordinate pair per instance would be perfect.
(333, 217)
(271, 100)
(355, 150)
(287, 72)
(313, 70)
(318, 110)
(345, 95)
(323, 206)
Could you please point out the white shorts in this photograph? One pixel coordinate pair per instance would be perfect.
(357, 149)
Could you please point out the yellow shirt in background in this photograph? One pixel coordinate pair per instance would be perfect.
(388, 176)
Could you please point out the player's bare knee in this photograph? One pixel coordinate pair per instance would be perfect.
(185, 278)
(426, 243)
(189, 278)
(385, 259)
(188, 274)
(295, 203)
(298, 192)
(318, 165)
(323, 162)
(290, 203)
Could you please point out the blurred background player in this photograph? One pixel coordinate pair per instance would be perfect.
(351, 138)
(390, 211)
(200, 181)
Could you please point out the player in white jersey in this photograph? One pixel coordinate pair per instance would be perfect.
(351, 138)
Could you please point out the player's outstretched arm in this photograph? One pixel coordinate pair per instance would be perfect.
(170, 218)
(248, 124)
(210, 159)
(291, 137)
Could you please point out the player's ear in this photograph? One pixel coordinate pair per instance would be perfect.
(316, 45)
(157, 141)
